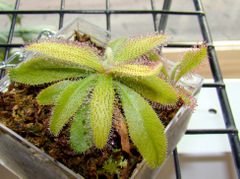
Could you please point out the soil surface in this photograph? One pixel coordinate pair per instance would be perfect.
(20, 112)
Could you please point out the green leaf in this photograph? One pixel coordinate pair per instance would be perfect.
(152, 88)
(68, 51)
(117, 43)
(49, 95)
(164, 72)
(191, 60)
(136, 46)
(102, 110)
(4, 6)
(39, 71)
(137, 70)
(174, 70)
(81, 137)
(153, 56)
(69, 101)
(145, 129)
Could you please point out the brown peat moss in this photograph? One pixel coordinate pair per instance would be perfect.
(20, 112)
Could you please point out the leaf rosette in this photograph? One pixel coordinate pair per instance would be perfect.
(85, 84)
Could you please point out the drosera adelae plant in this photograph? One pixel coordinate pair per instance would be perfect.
(87, 85)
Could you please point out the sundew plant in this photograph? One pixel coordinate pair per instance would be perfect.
(87, 84)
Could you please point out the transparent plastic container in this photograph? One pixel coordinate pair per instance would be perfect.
(28, 161)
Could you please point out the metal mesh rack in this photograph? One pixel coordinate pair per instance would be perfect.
(218, 84)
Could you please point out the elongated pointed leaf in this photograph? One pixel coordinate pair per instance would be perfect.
(49, 95)
(136, 46)
(191, 60)
(39, 71)
(69, 51)
(152, 88)
(145, 129)
(174, 70)
(102, 110)
(138, 70)
(164, 72)
(117, 43)
(80, 133)
(68, 102)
